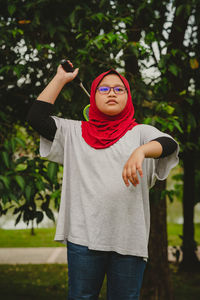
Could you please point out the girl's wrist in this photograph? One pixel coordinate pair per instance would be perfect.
(60, 80)
(152, 149)
(142, 150)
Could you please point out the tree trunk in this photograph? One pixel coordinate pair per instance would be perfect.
(177, 84)
(157, 284)
(190, 260)
(32, 228)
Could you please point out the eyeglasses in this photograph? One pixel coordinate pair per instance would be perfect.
(119, 90)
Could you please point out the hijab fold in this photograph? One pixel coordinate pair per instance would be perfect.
(102, 131)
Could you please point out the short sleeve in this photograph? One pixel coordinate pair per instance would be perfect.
(54, 151)
(157, 168)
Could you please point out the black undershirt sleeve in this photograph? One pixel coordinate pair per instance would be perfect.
(39, 118)
(168, 145)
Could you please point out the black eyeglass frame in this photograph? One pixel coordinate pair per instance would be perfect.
(111, 87)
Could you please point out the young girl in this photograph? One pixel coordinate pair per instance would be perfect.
(110, 162)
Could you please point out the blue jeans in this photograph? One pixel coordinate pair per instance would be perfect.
(87, 269)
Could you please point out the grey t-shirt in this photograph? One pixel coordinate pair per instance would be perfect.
(97, 209)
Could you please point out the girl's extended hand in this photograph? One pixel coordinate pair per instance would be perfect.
(132, 166)
(66, 76)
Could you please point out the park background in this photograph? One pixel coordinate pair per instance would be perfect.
(155, 44)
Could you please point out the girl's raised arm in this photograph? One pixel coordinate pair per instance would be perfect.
(52, 90)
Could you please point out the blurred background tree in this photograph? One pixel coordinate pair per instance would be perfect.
(154, 43)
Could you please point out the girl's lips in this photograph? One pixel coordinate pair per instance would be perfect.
(111, 101)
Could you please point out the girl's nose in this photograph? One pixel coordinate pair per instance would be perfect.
(111, 92)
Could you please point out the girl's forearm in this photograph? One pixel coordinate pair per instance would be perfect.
(152, 149)
(52, 90)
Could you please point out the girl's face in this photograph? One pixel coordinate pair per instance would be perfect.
(109, 102)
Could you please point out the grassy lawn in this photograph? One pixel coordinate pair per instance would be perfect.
(49, 282)
(44, 282)
(186, 284)
(174, 230)
(44, 237)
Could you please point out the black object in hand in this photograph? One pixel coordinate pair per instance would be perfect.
(68, 68)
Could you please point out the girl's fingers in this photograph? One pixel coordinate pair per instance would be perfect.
(133, 176)
(139, 169)
(75, 72)
(70, 63)
(132, 167)
(130, 174)
(125, 178)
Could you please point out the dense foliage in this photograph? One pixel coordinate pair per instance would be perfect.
(155, 43)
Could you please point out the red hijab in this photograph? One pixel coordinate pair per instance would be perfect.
(102, 131)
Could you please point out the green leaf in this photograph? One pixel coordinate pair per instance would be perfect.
(179, 9)
(198, 92)
(5, 69)
(182, 92)
(177, 125)
(20, 181)
(18, 70)
(67, 94)
(162, 63)
(78, 36)
(40, 185)
(174, 51)
(173, 69)
(39, 216)
(7, 145)
(13, 144)
(17, 209)
(190, 101)
(72, 18)
(20, 142)
(98, 41)
(45, 205)
(191, 120)
(50, 214)
(11, 9)
(102, 3)
(111, 37)
(148, 120)
(5, 180)
(20, 167)
(13, 197)
(52, 31)
(52, 170)
(18, 219)
(6, 160)
(5, 199)
(150, 37)
(99, 17)
(82, 51)
(185, 8)
(28, 191)
(169, 109)
(56, 194)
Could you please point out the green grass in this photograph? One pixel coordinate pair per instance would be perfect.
(44, 237)
(174, 230)
(186, 284)
(49, 282)
(44, 282)
(22, 282)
